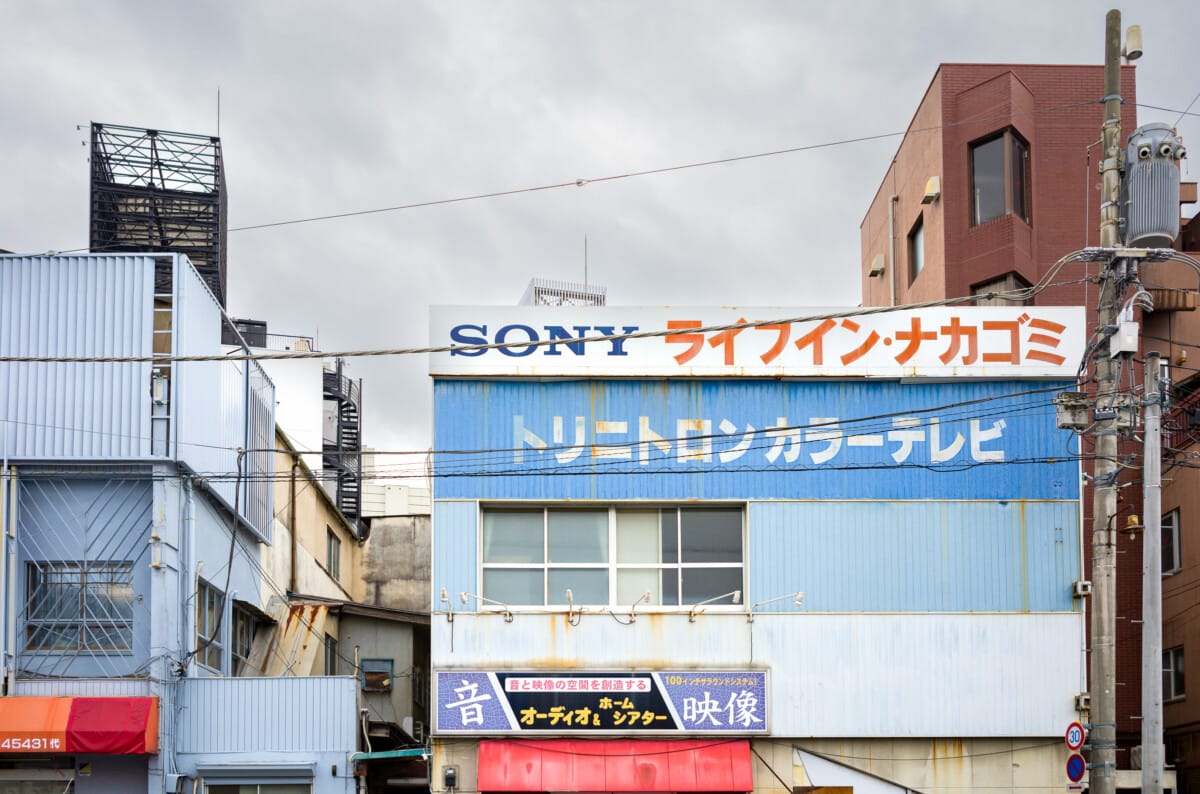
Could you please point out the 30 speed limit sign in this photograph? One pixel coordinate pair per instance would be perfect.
(1075, 736)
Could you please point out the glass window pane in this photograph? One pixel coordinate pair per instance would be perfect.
(1019, 166)
(987, 177)
(578, 535)
(633, 582)
(670, 535)
(916, 250)
(711, 535)
(513, 537)
(1169, 535)
(670, 587)
(703, 583)
(519, 586)
(588, 585)
(637, 536)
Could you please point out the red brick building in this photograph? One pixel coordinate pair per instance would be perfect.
(995, 180)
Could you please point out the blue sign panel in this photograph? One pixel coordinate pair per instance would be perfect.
(739, 439)
(691, 701)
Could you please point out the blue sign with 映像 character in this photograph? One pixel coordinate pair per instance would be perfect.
(686, 701)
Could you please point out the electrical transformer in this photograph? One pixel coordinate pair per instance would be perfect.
(1150, 189)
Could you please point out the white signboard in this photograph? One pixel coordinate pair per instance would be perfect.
(551, 341)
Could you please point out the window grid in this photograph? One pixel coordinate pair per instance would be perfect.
(210, 602)
(679, 595)
(244, 628)
(75, 606)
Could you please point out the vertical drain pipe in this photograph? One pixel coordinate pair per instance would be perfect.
(292, 520)
(892, 248)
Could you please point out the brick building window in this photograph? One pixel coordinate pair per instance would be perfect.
(1170, 542)
(916, 249)
(999, 178)
(1008, 283)
(1173, 683)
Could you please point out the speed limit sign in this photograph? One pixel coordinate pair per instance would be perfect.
(1075, 736)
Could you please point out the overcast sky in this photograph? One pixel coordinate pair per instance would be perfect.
(329, 108)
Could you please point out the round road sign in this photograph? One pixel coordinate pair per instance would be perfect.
(1075, 767)
(1075, 736)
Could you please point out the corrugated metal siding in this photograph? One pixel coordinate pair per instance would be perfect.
(86, 521)
(93, 305)
(503, 415)
(848, 675)
(83, 687)
(915, 556)
(237, 715)
(454, 550)
(211, 404)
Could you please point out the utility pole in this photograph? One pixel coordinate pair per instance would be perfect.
(1153, 757)
(1103, 753)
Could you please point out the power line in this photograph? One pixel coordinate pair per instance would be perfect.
(1014, 295)
(581, 182)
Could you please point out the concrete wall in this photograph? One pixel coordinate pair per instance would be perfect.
(396, 563)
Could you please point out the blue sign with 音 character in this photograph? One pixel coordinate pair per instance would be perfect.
(683, 701)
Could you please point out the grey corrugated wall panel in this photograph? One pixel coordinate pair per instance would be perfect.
(213, 415)
(237, 715)
(454, 551)
(915, 556)
(89, 305)
(83, 687)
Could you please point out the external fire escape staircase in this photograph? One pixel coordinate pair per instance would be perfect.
(342, 449)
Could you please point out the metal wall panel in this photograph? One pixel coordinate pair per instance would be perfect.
(92, 305)
(833, 675)
(221, 405)
(85, 522)
(83, 687)
(249, 715)
(897, 556)
(616, 439)
(454, 551)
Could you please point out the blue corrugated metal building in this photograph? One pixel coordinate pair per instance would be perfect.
(786, 563)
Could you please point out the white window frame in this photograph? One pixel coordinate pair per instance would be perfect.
(1170, 528)
(1174, 661)
(558, 600)
(206, 646)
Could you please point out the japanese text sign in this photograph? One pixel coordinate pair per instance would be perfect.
(975, 342)
(692, 701)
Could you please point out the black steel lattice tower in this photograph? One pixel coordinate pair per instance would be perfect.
(160, 191)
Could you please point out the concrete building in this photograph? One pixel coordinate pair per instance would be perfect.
(181, 602)
(830, 553)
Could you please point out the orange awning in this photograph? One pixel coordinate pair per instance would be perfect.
(615, 765)
(109, 726)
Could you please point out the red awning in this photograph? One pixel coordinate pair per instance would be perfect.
(108, 726)
(615, 765)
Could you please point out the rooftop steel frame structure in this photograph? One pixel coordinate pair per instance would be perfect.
(153, 190)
